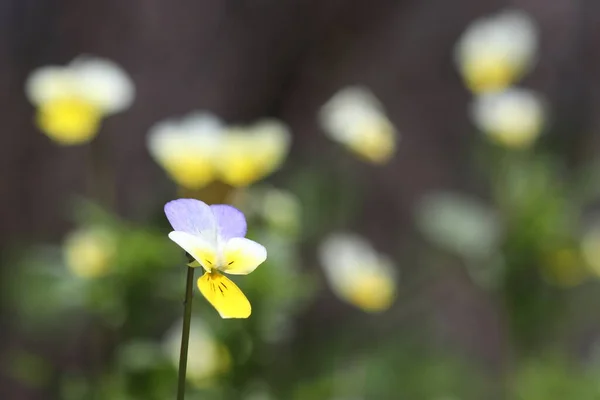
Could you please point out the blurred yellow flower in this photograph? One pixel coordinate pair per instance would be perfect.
(187, 148)
(248, 154)
(513, 118)
(199, 149)
(206, 357)
(357, 273)
(356, 119)
(72, 99)
(496, 51)
(563, 267)
(89, 252)
(590, 248)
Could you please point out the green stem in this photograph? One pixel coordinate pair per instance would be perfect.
(185, 334)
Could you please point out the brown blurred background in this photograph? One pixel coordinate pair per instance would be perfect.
(246, 59)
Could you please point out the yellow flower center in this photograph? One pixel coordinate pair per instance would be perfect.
(69, 120)
(488, 74)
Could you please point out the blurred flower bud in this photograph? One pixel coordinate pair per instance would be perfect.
(357, 273)
(356, 119)
(513, 118)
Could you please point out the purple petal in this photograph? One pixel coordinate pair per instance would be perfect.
(230, 221)
(190, 215)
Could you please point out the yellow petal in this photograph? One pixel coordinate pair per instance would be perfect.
(191, 171)
(69, 120)
(242, 256)
(199, 248)
(224, 296)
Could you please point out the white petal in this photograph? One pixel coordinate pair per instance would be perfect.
(242, 256)
(347, 108)
(199, 134)
(202, 123)
(512, 34)
(104, 83)
(204, 251)
(48, 83)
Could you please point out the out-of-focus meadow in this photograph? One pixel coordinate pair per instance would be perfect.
(424, 175)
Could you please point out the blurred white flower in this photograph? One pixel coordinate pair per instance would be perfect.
(250, 153)
(357, 273)
(187, 148)
(459, 224)
(513, 118)
(89, 252)
(496, 51)
(72, 99)
(206, 357)
(356, 119)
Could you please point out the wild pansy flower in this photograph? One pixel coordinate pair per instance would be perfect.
(356, 119)
(89, 252)
(207, 358)
(187, 148)
(513, 118)
(248, 154)
(357, 273)
(73, 99)
(214, 237)
(496, 51)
